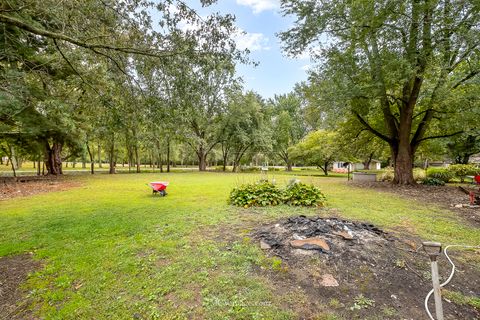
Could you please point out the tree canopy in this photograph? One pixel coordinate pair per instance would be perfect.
(392, 65)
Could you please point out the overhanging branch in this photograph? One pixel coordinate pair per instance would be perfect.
(441, 136)
(371, 129)
(59, 36)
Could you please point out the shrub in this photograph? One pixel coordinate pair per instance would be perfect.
(462, 170)
(387, 175)
(249, 169)
(419, 174)
(258, 194)
(264, 193)
(440, 174)
(433, 182)
(300, 194)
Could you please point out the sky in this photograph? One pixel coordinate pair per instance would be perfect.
(262, 20)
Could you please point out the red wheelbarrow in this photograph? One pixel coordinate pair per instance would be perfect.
(159, 187)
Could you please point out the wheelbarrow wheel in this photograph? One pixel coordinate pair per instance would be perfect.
(163, 193)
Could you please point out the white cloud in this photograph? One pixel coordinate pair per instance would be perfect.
(251, 41)
(260, 5)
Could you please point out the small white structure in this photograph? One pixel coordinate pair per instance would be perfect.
(343, 167)
(475, 159)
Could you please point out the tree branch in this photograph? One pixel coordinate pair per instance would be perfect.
(442, 136)
(371, 129)
(467, 77)
(54, 35)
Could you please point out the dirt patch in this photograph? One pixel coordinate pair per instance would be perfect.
(14, 271)
(361, 272)
(448, 197)
(9, 190)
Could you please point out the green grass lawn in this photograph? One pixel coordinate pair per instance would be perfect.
(112, 251)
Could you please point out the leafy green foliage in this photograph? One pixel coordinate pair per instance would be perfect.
(288, 123)
(319, 148)
(419, 174)
(387, 175)
(264, 193)
(362, 302)
(256, 194)
(368, 70)
(461, 299)
(433, 182)
(462, 170)
(440, 173)
(300, 194)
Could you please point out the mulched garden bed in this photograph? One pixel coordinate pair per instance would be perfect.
(9, 188)
(448, 197)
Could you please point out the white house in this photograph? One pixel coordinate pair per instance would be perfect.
(340, 166)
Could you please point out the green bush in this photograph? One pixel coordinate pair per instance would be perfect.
(257, 194)
(387, 175)
(264, 193)
(433, 182)
(249, 169)
(440, 173)
(300, 194)
(419, 174)
(462, 170)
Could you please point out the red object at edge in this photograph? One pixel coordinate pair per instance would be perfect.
(477, 179)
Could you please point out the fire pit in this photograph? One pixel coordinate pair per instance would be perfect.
(333, 259)
(314, 235)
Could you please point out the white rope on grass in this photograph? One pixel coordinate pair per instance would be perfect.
(451, 274)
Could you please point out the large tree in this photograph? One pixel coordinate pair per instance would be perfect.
(318, 148)
(288, 124)
(243, 128)
(392, 64)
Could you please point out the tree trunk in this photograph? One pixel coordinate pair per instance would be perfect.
(11, 157)
(53, 158)
(202, 159)
(225, 158)
(111, 170)
(137, 159)
(99, 157)
(168, 154)
(403, 164)
(367, 162)
(92, 161)
(289, 166)
(225, 150)
(38, 165)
